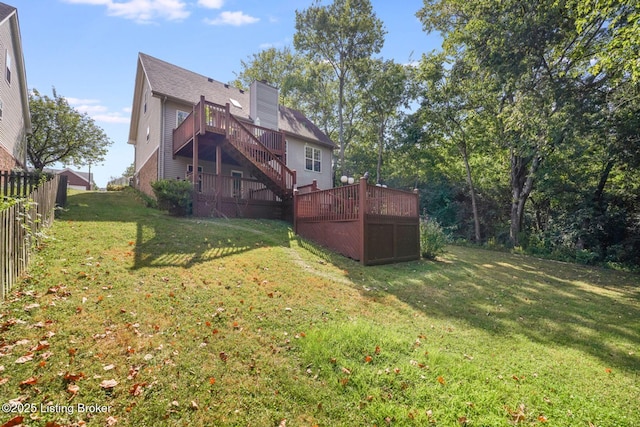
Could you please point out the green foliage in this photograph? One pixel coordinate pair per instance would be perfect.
(174, 196)
(433, 239)
(62, 134)
(147, 200)
(116, 187)
(343, 34)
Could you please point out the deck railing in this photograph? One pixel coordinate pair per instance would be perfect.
(374, 225)
(343, 203)
(233, 187)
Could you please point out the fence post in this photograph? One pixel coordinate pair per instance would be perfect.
(295, 211)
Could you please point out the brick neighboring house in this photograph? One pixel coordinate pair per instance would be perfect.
(15, 119)
(75, 180)
(245, 149)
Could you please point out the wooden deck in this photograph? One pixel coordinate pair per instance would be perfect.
(371, 224)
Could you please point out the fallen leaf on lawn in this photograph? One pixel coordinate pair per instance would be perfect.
(346, 371)
(26, 358)
(368, 359)
(137, 389)
(194, 405)
(108, 367)
(108, 384)
(42, 345)
(111, 421)
(542, 418)
(73, 377)
(377, 350)
(608, 370)
(212, 381)
(441, 380)
(15, 421)
(31, 306)
(462, 420)
(73, 389)
(223, 356)
(4, 380)
(28, 381)
(133, 372)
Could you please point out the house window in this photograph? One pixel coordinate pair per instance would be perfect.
(180, 116)
(146, 93)
(148, 133)
(1, 108)
(8, 62)
(190, 169)
(312, 157)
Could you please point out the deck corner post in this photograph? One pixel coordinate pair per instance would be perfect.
(203, 118)
(227, 119)
(362, 220)
(295, 211)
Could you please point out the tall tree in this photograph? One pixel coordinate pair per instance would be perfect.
(454, 103)
(538, 60)
(62, 134)
(385, 88)
(342, 34)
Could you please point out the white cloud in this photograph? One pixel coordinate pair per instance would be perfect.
(142, 11)
(211, 4)
(98, 112)
(232, 18)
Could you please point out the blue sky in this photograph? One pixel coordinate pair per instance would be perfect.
(87, 49)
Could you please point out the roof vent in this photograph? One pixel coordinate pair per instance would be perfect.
(210, 79)
(235, 103)
(226, 85)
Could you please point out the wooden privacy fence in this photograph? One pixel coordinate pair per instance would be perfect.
(22, 228)
(371, 224)
(18, 184)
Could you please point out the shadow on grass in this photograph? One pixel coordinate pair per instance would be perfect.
(591, 310)
(595, 311)
(165, 241)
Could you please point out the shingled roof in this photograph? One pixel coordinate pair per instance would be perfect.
(182, 85)
(5, 11)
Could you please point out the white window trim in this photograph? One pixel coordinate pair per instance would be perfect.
(313, 151)
(7, 71)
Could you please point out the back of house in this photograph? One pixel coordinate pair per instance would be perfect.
(239, 147)
(15, 120)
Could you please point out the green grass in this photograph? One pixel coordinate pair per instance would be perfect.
(239, 322)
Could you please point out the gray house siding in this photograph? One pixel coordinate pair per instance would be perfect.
(13, 127)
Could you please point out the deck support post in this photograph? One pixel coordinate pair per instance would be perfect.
(218, 175)
(362, 220)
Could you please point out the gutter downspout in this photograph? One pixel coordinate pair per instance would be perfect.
(162, 148)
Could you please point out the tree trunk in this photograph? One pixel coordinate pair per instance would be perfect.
(523, 170)
(474, 206)
(341, 124)
(380, 151)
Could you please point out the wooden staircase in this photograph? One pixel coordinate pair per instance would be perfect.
(247, 149)
(259, 149)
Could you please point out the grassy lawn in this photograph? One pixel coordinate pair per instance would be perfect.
(191, 322)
